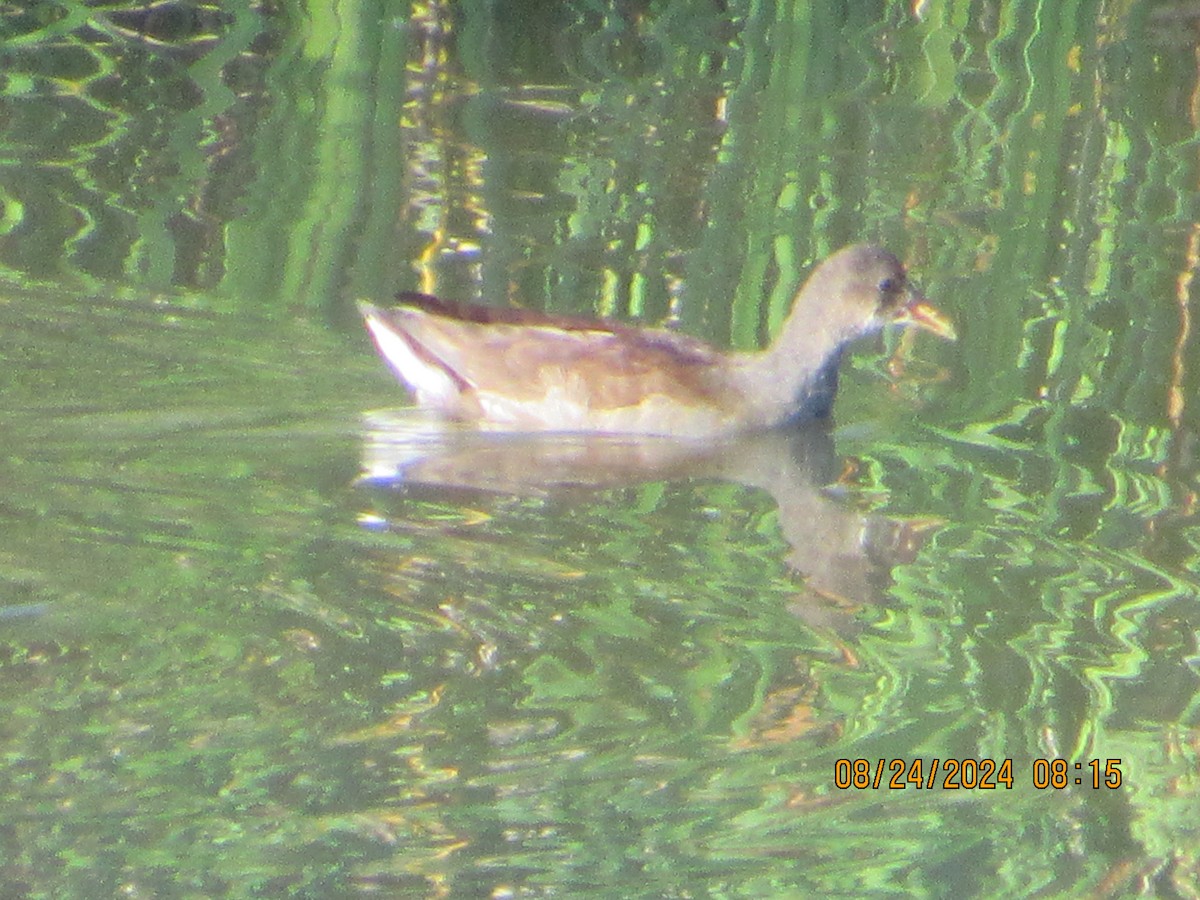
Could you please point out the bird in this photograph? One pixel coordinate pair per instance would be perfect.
(517, 370)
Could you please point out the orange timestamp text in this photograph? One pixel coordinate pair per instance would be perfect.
(971, 774)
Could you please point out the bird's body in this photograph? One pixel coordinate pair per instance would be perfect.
(513, 370)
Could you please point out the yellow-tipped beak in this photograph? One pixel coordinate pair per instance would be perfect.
(925, 315)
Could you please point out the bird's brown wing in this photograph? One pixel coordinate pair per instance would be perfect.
(543, 371)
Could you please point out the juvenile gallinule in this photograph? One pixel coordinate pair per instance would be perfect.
(516, 370)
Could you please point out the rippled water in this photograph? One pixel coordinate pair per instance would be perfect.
(264, 632)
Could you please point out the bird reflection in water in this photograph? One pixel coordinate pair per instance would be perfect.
(842, 555)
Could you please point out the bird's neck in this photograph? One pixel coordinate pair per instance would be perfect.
(796, 376)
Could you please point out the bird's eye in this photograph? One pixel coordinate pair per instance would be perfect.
(888, 286)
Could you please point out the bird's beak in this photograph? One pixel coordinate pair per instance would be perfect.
(923, 314)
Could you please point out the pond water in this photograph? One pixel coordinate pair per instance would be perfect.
(266, 632)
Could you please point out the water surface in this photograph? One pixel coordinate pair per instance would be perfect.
(262, 638)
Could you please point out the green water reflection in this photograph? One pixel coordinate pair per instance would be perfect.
(260, 641)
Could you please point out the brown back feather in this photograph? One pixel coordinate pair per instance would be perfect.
(682, 348)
